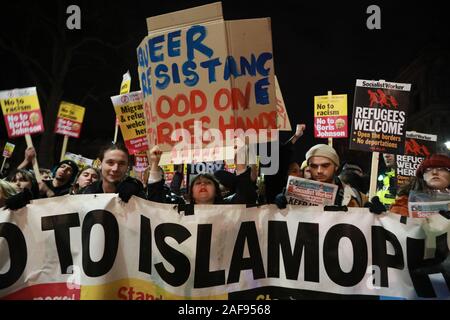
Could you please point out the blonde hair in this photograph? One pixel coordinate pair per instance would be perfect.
(7, 189)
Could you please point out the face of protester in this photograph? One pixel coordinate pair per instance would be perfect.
(87, 177)
(203, 191)
(114, 166)
(64, 173)
(307, 173)
(20, 182)
(46, 176)
(294, 170)
(389, 160)
(322, 169)
(437, 178)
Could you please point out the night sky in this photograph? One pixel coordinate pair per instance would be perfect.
(318, 46)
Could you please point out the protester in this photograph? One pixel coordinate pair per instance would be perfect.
(433, 175)
(387, 182)
(204, 188)
(23, 179)
(274, 184)
(114, 166)
(85, 177)
(353, 175)
(7, 190)
(64, 174)
(323, 162)
(305, 171)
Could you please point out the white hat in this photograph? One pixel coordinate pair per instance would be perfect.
(323, 150)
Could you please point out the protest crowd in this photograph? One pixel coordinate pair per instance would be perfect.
(323, 177)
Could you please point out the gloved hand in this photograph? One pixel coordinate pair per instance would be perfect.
(375, 206)
(281, 201)
(445, 214)
(19, 200)
(129, 187)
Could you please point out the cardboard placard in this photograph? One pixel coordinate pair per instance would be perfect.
(21, 112)
(379, 116)
(194, 66)
(283, 123)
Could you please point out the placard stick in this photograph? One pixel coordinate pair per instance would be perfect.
(64, 148)
(37, 174)
(116, 131)
(3, 164)
(330, 140)
(374, 174)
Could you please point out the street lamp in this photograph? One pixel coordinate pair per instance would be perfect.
(447, 144)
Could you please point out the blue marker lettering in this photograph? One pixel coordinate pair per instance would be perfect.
(162, 76)
(173, 46)
(155, 46)
(230, 68)
(247, 66)
(175, 73)
(262, 59)
(211, 65)
(190, 74)
(194, 37)
(261, 93)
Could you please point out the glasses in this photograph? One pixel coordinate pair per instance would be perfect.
(428, 170)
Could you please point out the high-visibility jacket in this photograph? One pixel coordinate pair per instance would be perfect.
(387, 187)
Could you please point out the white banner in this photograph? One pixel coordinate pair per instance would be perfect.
(97, 247)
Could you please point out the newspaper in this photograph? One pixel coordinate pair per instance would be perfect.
(310, 193)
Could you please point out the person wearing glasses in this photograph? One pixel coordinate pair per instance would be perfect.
(432, 177)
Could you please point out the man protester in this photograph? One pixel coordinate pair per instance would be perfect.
(387, 182)
(323, 162)
(64, 175)
(114, 166)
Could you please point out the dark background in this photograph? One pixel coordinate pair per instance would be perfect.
(318, 46)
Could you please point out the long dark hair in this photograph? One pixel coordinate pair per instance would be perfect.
(29, 177)
(218, 196)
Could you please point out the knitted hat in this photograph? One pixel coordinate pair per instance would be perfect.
(70, 163)
(304, 165)
(435, 161)
(323, 150)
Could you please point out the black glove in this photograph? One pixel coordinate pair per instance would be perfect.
(375, 206)
(281, 201)
(445, 214)
(19, 200)
(129, 187)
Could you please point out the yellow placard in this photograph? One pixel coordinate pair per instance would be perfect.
(126, 83)
(330, 105)
(71, 111)
(19, 104)
(9, 149)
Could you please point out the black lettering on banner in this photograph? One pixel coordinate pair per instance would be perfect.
(247, 233)
(203, 277)
(17, 253)
(109, 223)
(61, 223)
(420, 268)
(331, 254)
(145, 248)
(381, 258)
(178, 260)
(307, 239)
